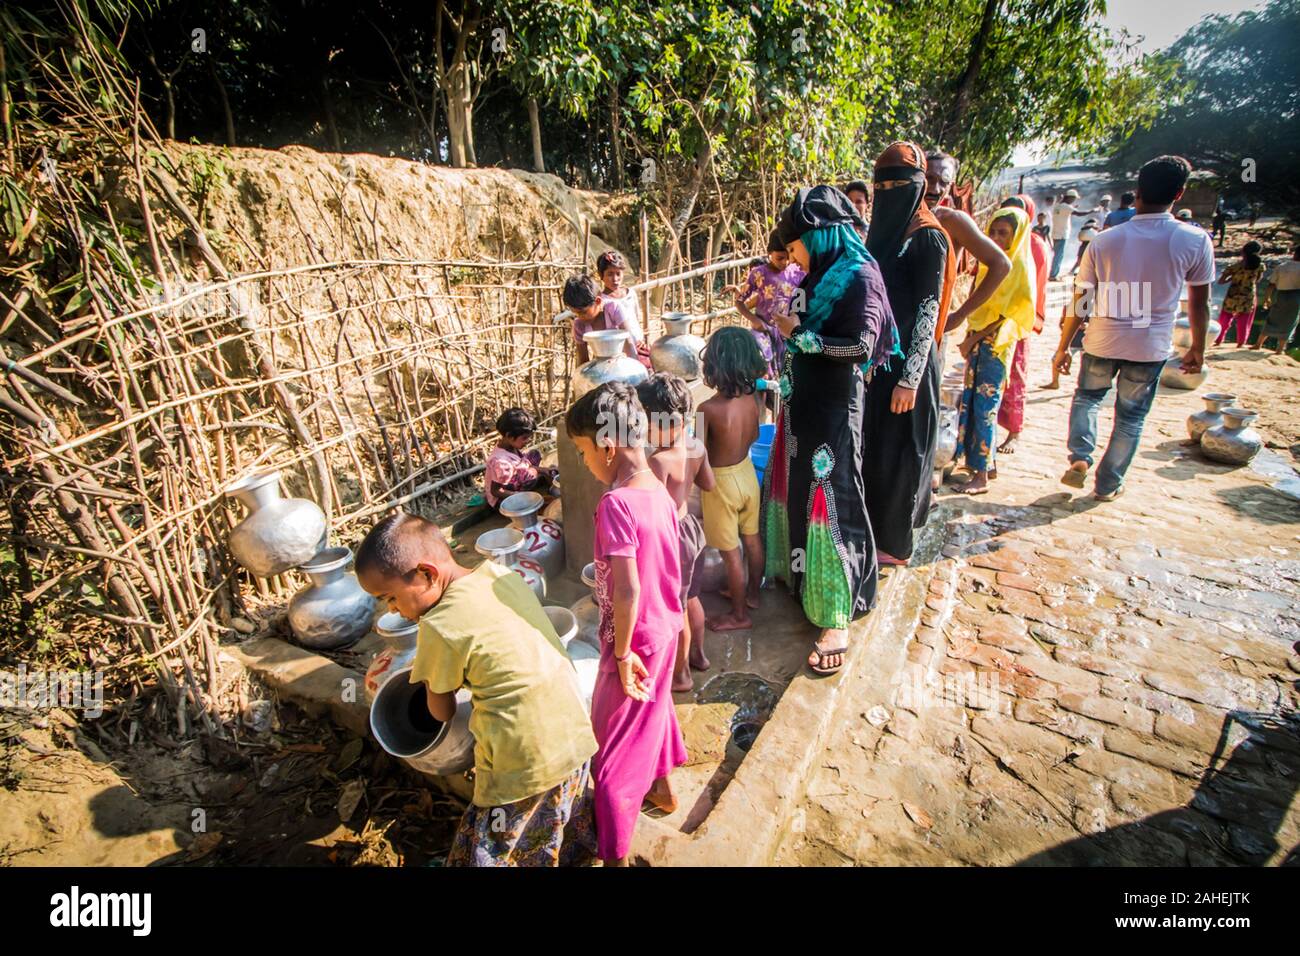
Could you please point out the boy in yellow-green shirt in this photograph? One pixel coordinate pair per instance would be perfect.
(485, 630)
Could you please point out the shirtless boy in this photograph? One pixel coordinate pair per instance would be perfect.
(679, 461)
(729, 427)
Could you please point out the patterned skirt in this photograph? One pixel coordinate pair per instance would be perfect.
(554, 828)
(977, 422)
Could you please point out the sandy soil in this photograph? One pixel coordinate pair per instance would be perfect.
(277, 798)
(1266, 383)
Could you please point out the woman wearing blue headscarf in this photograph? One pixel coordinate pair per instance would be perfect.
(815, 526)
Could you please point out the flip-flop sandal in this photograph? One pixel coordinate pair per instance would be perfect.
(652, 809)
(977, 491)
(822, 655)
(1074, 478)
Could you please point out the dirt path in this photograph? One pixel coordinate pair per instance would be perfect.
(1094, 683)
(301, 792)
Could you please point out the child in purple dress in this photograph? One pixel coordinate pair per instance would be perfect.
(638, 589)
(767, 290)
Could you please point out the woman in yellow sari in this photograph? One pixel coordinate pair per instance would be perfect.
(992, 333)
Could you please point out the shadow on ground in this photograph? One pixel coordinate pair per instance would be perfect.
(1232, 818)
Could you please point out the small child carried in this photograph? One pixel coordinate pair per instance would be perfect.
(485, 630)
(729, 424)
(680, 462)
(766, 291)
(509, 467)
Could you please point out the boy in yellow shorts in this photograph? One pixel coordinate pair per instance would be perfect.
(729, 427)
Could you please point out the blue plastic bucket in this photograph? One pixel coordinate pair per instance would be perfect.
(761, 450)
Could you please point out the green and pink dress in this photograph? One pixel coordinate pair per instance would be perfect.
(815, 526)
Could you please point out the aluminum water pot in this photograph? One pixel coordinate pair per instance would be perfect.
(504, 546)
(543, 537)
(1233, 442)
(403, 726)
(278, 533)
(1215, 403)
(333, 610)
(609, 363)
(678, 352)
(399, 637)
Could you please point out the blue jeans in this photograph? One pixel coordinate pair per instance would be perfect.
(1135, 391)
(1058, 257)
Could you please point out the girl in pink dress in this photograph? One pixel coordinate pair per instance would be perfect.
(638, 589)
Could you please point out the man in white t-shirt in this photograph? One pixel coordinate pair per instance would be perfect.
(1127, 290)
(1061, 216)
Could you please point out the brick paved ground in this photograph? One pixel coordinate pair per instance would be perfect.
(1093, 683)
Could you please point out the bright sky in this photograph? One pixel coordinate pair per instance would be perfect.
(1159, 23)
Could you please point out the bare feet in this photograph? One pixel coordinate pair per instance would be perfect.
(682, 681)
(730, 622)
(695, 613)
(936, 481)
(828, 653)
(978, 485)
(661, 795)
(1054, 383)
(1008, 447)
(751, 597)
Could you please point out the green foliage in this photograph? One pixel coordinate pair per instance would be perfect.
(1048, 72)
(203, 174)
(1238, 100)
(549, 52)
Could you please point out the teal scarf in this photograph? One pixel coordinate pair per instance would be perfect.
(835, 255)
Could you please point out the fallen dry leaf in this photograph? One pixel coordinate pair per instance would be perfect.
(919, 816)
(351, 796)
(203, 844)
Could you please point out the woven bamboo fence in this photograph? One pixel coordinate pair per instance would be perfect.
(369, 384)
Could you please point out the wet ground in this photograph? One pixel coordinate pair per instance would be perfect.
(1093, 683)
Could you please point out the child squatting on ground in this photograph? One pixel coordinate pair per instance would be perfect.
(729, 425)
(509, 467)
(485, 630)
(679, 461)
(638, 589)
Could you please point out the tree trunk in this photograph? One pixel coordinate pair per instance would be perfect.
(471, 157)
(535, 124)
(225, 102)
(327, 106)
(616, 134)
(171, 108)
(685, 207)
(677, 224)
(966, 85)
(455, 132)
(460, 111)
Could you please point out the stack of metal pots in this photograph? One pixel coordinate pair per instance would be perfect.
(280, 533)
